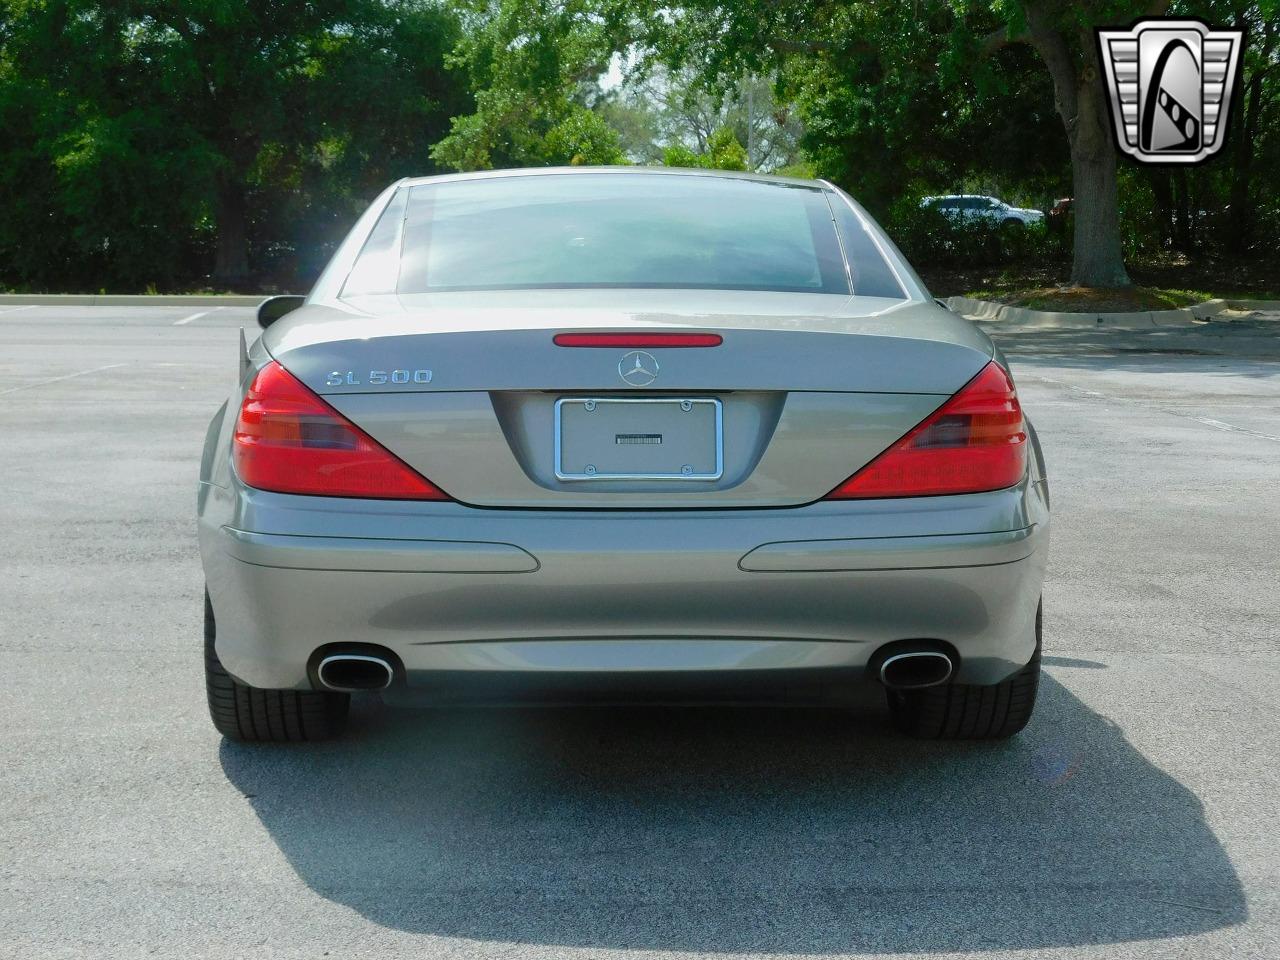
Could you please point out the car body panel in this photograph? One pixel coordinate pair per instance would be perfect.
(851, 576)
(495, 450)
(503, 341)
(525, 572)
(859, 373)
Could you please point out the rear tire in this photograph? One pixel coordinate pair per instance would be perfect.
(250, 714)
(965, 711)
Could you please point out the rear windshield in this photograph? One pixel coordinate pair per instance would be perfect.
(604, 230)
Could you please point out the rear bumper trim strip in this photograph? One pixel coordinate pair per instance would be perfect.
(380, 556)
(891, 553)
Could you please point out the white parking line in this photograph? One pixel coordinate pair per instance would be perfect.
(69, 376)
(1233, 428)
(196, 316)
(30, 306)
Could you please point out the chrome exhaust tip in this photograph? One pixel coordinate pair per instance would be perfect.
(350, 672)
(916, 670)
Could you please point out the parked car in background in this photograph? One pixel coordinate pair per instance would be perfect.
(968, 208)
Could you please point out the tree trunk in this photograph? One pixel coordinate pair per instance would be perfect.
(231, 259)
(1240, 212)
(1080, 99)
(1099, 260)
(1162, 190)
(1182, 235)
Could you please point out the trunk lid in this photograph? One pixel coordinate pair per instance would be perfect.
(472, 392)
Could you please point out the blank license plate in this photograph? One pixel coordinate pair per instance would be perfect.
(614, 438)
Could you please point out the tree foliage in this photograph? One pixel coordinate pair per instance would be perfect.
(534, 67)
(897, 100)
(181, 142)
(168, 140)
(660, 111)
(722, 151)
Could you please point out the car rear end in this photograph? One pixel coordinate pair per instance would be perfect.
(682, 458)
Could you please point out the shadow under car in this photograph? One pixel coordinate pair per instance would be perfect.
(734, 829)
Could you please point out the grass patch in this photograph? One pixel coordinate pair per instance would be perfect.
(1099, 299)
(1136, 299)
(1164, 282)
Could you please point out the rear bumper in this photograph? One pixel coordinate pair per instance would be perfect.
(450, 588)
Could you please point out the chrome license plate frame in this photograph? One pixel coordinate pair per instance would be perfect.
(685, 404)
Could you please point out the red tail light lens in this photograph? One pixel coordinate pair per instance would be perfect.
(975, 441)
(288, 440)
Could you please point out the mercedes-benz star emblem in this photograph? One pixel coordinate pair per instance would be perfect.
(638, 368)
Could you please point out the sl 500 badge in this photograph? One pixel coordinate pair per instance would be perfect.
(376, 378)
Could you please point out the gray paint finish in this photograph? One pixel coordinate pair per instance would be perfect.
(523, 570)
(376, 556)
(603, 575)
(773, 457)
(901, 553)
(500, 341)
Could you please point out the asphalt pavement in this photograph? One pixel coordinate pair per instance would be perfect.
(1137, 816)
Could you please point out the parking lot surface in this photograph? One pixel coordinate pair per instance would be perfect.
(1137, 816)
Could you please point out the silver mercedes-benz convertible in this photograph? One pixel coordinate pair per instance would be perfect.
(588, 430)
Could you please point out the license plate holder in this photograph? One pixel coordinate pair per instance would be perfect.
(639, 438)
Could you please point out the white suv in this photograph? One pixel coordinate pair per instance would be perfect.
(970, 207)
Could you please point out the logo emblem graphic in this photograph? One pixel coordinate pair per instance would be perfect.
(1170, 83)
(638, 368)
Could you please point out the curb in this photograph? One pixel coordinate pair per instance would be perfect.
(991, 312)
(131, 300)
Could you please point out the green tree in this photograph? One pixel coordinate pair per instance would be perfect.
(96, 182)
(723, 152)
(1255, 134)
(890, 113)
(1064, 39)
(728, 37)
(255, 79)
(889, 93)
(164, 128)
(583, 138)
(534, 68)
(674, 109)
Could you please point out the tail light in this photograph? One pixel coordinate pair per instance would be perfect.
(975, 441)
(288, 440)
